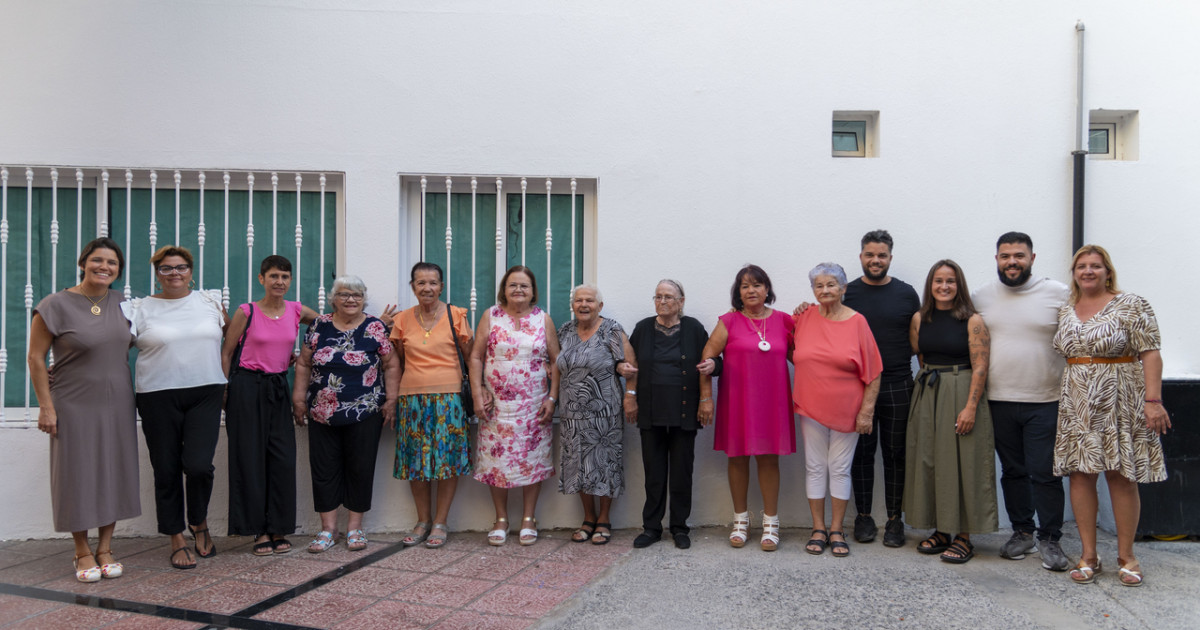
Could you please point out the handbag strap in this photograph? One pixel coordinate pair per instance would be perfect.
(462, 363)
(236, 361)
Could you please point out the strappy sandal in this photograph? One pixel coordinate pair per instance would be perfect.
(188, 561)
(529, 535)
(264, 547)
(413, 538)
(770, 533)
(586, 530)
(497, 536)
(935, 544)
(741, 529)
(437, 541)
(323, 542)
(356, 540)
(1083, 573)
(109, 570)
(90, 574)
(959, 552)
(602, 538)
(1130, 577)
(212, 549)
(839, 548)
(819, 543)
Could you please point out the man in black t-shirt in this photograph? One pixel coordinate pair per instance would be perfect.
(888, 304)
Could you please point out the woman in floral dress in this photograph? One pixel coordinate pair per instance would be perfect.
(1111, 413)
(513, 373)
(346, 381)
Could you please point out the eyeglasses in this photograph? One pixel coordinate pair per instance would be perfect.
(665, 298)
(348, 297)
(169, 270)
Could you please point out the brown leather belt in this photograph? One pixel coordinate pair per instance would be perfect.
(1089, 360)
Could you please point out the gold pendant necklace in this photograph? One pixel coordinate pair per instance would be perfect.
(421, 321)
(95, 303)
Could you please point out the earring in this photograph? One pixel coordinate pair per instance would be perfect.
(191, 283)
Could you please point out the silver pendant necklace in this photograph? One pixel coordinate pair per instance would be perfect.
(763, 344)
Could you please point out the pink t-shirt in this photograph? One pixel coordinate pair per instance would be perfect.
(834, 363)
(270, 342)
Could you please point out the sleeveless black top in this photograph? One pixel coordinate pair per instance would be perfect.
(943, 341)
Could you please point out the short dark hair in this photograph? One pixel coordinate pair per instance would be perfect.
(501, 299)
(963, 308)
(426, 266)
(102, 243)
(878, 236)
(755, 273)
(274, 261)
(1011, 238)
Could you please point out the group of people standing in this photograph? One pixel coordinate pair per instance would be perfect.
(991, 378)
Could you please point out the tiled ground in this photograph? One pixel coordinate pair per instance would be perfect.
(467, 584)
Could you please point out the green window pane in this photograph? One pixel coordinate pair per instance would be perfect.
(1098, 141)
(845, 141)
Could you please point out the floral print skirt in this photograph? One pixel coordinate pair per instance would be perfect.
(432, 438)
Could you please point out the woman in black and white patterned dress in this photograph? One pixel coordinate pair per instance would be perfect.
(590, 412)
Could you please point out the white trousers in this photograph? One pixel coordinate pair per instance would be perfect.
(827, 458)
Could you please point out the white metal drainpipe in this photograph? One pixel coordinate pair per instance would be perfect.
(1080, 153)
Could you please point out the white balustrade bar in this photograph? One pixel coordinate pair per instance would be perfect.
(137, 231)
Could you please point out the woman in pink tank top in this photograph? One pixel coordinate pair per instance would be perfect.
(258, 418)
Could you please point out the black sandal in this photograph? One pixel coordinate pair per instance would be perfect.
(936, 543)
(601, 538)
(212, 549)
(838, 548)
(813, 540)
(281, 545)
(963, 548)
(587, 530)
(187, 555)
(264, 548)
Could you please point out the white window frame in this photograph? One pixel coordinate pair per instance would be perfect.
(1111, 153)
(869, 142)
(1123, 134)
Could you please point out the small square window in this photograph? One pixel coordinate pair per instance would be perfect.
(855, 133)
(1102, 140)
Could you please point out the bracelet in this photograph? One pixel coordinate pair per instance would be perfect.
(552, 399)
(706, 399)
(1154, 400)
(631, 392)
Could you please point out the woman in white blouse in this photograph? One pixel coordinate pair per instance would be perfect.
(180, 386)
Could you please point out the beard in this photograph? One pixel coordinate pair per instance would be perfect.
(875, 275)
(1021, 279)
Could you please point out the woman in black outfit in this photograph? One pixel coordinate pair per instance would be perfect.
(663, 397)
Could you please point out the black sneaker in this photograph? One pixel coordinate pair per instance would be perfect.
(682, 541)
(864, 528)
(646, 538)
(893, 533)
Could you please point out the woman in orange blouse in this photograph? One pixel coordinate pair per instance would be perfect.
(837, 381)
(432, 438)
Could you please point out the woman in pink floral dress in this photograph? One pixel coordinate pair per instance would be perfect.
(513, 378)
(347, 379)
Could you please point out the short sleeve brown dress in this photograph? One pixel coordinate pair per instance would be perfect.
(94, 459)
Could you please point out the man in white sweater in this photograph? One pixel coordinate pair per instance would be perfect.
(1024, 376)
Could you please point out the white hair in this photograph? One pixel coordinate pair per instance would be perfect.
(591, 287)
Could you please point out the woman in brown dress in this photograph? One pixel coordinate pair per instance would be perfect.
(88, 411)
(1111, 413)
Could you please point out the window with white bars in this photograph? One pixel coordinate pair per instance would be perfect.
(229, 219)
(494, 222)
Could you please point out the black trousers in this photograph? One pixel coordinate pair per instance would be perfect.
(889, 432)
(262, 454)
(667, 455)
(342, 459)
(181, 428)
(1024, 434)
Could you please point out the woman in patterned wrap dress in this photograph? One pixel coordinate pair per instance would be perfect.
(1111, 412)
(513, 373)
(591, 432)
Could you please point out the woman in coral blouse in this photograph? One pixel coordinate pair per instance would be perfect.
(836, 384)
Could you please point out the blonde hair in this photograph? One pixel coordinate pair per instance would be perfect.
(1110, 283)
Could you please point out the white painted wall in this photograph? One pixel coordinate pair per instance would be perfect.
(706, 124)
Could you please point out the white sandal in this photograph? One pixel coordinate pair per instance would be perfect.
(770, 534)
(496, 537)
(529, 535)
(741, 529)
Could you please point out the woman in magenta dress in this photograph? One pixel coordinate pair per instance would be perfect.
(754, 410)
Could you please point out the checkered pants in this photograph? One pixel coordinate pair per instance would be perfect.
(891, 423)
